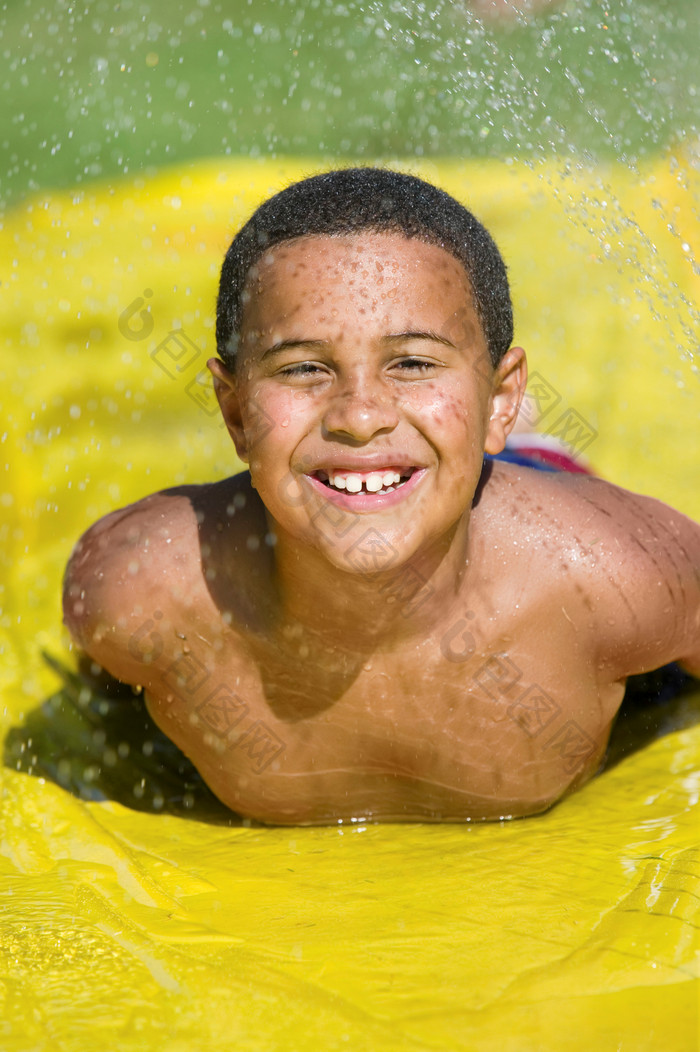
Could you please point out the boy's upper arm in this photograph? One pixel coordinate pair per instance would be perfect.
(111, 585)
(645, 579)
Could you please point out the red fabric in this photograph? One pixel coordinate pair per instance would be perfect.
(554, 459)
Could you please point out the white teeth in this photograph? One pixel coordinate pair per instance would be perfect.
(375, 482)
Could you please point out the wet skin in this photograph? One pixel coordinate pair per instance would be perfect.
(453, 647)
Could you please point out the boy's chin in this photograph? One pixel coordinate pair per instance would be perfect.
(370, 544)
(374, 553)
(368, 557)
(356, 546)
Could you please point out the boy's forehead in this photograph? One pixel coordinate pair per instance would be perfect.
(368, 257)
(321, 286)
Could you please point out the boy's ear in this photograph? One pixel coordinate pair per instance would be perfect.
(508, 391)
(226, 389)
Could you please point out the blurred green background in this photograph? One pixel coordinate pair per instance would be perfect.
(97, 89)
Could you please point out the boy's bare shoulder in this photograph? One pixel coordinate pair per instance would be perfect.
(149, 524)
(633, 559)
(586, 509)
(145, 555)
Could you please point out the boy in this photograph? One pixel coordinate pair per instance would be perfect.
(377, 622)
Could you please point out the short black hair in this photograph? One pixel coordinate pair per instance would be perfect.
(352, 200)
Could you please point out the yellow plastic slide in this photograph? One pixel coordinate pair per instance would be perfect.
(138, 914)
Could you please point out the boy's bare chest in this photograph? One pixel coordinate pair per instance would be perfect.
(455, 731)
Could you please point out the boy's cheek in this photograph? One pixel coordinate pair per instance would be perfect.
(261, 413)
(274, 415)
(448, 412)
(258, 423)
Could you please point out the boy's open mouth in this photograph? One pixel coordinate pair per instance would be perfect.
(385, 480)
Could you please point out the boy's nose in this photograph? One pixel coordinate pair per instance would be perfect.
(360, 410)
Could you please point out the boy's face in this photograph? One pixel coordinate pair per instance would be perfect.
(363, 397)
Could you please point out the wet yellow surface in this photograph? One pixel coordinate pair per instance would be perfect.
(149, 930)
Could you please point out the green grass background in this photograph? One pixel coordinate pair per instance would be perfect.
(94, 89)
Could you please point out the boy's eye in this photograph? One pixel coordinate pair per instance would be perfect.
(302, 369)
(309, 370)
(415, 365)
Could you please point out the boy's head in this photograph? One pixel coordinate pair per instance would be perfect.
(355, 200)
(374, 367)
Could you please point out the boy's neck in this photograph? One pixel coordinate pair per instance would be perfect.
(363, 611)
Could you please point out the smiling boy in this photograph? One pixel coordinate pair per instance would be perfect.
(376, 621)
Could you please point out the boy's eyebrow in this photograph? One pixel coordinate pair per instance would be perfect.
(286, 345)
(428, 334)
(394, 337)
